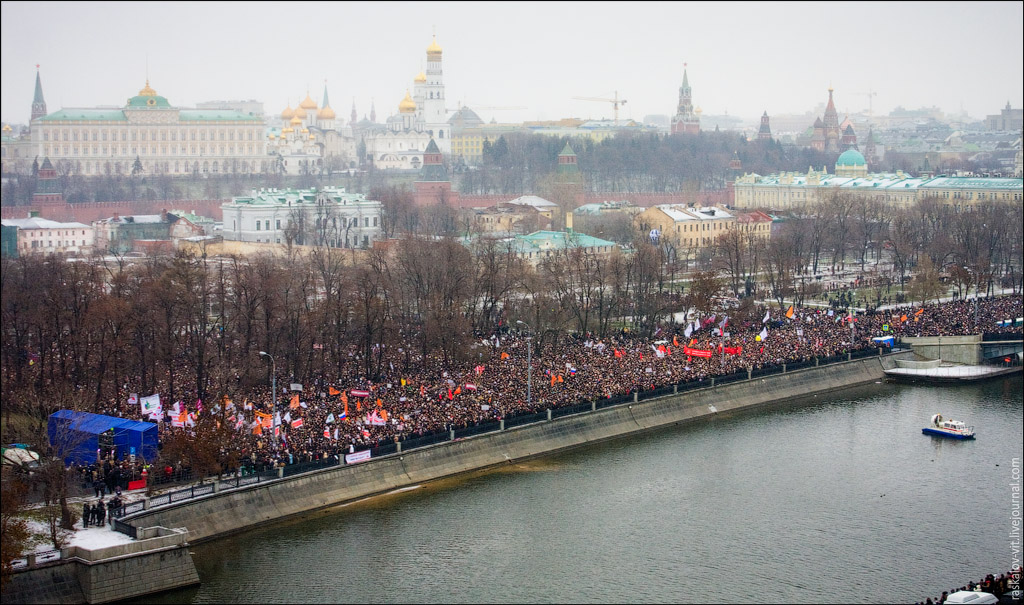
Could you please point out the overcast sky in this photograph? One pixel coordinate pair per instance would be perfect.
(743, 58)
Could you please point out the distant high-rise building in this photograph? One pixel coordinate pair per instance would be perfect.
(686, 119)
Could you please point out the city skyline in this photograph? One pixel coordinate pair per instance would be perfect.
(743, 58)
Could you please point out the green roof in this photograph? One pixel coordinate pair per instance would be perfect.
(148, 102)
(851, 157)
(215, 115)
(85, 115)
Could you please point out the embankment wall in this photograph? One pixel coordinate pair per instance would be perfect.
(233, 511)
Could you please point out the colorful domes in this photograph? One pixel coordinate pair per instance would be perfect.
(434, 47)
(851, 157)
(308, 103)
(407, 105)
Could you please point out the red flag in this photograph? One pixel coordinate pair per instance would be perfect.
(327, 433)
(297, 423)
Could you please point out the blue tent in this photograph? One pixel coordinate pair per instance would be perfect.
(886, 341)
(76, 436)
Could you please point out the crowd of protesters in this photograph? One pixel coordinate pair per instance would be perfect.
(1005, 585)
(351, 412)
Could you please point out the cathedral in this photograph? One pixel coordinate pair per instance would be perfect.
(312, 138)
(828, 134)
(421, 116)
(686, 120)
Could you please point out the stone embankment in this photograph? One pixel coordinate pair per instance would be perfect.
(231, 511)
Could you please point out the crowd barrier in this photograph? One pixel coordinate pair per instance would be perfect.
(513, 420)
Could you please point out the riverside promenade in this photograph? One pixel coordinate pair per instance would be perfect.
(224, 510)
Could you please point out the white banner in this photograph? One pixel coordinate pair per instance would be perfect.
(357, 457)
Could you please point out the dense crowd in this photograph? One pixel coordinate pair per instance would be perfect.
(1006, 584)
(352, 412)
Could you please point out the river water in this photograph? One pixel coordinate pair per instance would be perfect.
(837, 498)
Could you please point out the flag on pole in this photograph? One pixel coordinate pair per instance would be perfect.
(297, 423)
(763, 335)
(767, 316)
(688, 330)
(327, 433)
(789, 312)
(505, 355)
(295, 401)
(287, 416)
(333, 391)
(330, 418)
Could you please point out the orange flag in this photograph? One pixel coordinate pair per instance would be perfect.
(904, 317)
(359, 406)
(258, 430)
(919, 311)
(295, 401)
(380, 403)
(552, 380)
(384, 415)
(333, 391)
(423, 390)
(458, 390)
(789, 312)
(505, 355)
(560, 378)
(675, 343)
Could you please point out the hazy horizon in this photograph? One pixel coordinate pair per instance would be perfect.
(743, 58)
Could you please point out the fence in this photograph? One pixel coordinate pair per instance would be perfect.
(383, 449)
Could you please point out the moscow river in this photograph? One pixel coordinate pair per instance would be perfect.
(838, 498)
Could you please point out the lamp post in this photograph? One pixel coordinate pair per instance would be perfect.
(273, 382)
(529, 362)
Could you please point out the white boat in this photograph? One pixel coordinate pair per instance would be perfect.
(970, 596)
(947, 427)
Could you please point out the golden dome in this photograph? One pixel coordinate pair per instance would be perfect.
(287, 130)
(288, 113)
(295, 121)
(7, 128)
(147, 91)
(434, 48)
(407, 105)
(300, 113)
(307, 103)
(272, 136)
(311, 137)
(326, 113)
(304, 131)
(420, 78)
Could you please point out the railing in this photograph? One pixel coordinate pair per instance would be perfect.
(478, 429)
(35, 559)
(125, 528)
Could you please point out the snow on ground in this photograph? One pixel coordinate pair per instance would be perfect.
(89, 538)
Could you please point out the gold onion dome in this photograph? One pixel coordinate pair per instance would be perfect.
(311, 137)
(307, 103)
(147, 91)
(300, 112)
(7, 128)
(288, 112)
(325, 113)
(407, 105)
(287, 130)
(296, 120)
(304, 130)
(434, 47)
(420, 78)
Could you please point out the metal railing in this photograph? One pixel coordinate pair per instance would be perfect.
(510, 421)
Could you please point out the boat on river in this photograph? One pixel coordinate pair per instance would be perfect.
(947, 427)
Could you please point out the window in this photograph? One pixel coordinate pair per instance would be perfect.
(267, 223)
(257, 225)
(278, 224)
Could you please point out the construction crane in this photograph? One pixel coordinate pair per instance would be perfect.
(616, 101)
(870, 95)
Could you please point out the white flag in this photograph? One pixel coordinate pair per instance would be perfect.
(330, 418)
(287, 416)
(767, 315)
(150, 403)
(688, 331)
(763, 335)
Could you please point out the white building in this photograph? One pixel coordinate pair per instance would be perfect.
(165, 139)
(43, 236)
(310, 138)
(325, 217)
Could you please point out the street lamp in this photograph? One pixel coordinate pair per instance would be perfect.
(529, 362)
(273, 381)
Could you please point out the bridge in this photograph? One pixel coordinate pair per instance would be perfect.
(972, 350)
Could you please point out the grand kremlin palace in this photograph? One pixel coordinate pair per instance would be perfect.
(792, 190)
(165, 139)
